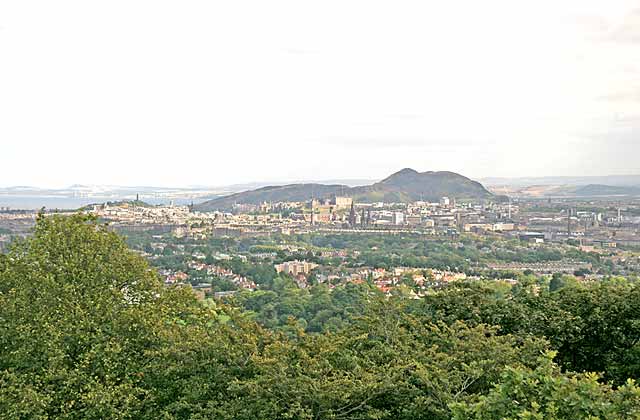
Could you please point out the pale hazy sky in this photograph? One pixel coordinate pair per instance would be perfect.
(218, 92)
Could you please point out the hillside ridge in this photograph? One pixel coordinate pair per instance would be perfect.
(406, 185)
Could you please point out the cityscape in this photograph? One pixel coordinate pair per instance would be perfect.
(594, 237)
(336, 210)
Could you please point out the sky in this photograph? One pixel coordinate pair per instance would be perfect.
(175, 93)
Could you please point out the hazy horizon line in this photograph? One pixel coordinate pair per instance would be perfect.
(301, 181)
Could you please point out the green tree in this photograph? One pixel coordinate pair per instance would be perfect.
(543, 393)
(80, 312)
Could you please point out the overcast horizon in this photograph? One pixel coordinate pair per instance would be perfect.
(180, 94)
(347, 181)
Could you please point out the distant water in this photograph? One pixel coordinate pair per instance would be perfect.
(34, 202)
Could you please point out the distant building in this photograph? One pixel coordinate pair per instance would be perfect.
(343, 202)
(535, 237)
(489, 227)
(429, 223)
(504, 227)
(352, 216)
(295, 267)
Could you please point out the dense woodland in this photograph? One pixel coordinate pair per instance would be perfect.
(88, 331)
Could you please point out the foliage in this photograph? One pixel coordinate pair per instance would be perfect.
(593, 328)
(542, 393)
(87, 331)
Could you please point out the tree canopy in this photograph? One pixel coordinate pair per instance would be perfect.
(88, 331)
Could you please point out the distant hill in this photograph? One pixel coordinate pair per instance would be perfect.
(404, 186)
(595, 190)
(119, 203)
(612, 180)
(409, 185)
(292, 192)
(569, 191)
